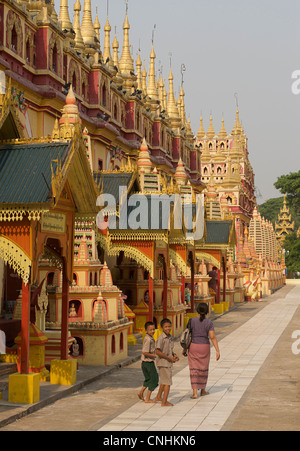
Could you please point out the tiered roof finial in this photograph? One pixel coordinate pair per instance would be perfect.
(182, 106)
(161, 92)
(172, 107)
(144, 80)
(211, 131)
(64, 18)
(106, 51)
(223, 132)
(236, 150)
(180, 174)
(237, 126)
(79, 43)
(70, 116)
(115, 45)
(152, 89)
(201, 131)
(97, 25)
(126, 62)
(139, 71)
(87, 27)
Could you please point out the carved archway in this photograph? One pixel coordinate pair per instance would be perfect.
(13, 25)
(208, 258)
(178, 262)
(135, 254)
(14, 256)
(55, 54)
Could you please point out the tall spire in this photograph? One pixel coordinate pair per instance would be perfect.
(161, 92)
(237, 126)
(87, 27)
(115, 45)
(64, 17)
(144, 81)
(79, 44)
(126, 63)
(152, 87)
(206, 156)
(236, 149)
(182, 106)
(211, 131)
(106, 50)
(139, 71)
(97, 26)
(172, 107)
(201, 131)
(223, 133)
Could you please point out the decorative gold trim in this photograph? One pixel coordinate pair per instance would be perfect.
(17, 213)
(136, 254)
(16, 258)
(138, 235)
(208, 258)
(178, 262)
(129, 251)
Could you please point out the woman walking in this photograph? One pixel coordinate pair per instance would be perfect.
(199, 352)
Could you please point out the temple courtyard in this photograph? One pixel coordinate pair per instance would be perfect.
(254, 386)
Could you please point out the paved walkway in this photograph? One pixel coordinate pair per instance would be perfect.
(243, 353)
(255, 385)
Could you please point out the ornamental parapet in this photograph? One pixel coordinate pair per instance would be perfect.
(91, 325)
(89, 289)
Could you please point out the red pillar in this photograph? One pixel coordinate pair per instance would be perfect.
(218, 294)
(165, 298)
(192, 287)
(64, 314)
(224, 280)
(25, 327)
(150, 318)
(183, 289)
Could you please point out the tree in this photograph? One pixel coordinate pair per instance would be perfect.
(292, 248)
(271, 209)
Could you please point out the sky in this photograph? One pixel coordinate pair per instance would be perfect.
(228, 47)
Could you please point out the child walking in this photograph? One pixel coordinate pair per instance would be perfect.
(148, 364)
(165, 360)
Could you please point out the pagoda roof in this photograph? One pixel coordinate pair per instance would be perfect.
(34, 172)
(220, 232)
(25, 171)
(111, 182)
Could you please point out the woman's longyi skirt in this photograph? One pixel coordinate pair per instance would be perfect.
(199, 358)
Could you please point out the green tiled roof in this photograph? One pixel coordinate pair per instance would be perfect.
(218, 232)
(25, 171)
(112, 182)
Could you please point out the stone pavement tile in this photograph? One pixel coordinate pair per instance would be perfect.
(208, 428)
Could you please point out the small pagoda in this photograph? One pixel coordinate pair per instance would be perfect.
(284, 226)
